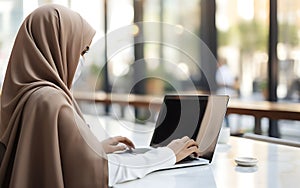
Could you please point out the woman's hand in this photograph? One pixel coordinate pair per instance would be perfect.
(184, 147)
(112, 144)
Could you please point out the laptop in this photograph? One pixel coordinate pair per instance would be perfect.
(198, 116)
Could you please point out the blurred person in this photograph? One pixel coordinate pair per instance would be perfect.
(44, 139)
(294, 90)
(227, 83)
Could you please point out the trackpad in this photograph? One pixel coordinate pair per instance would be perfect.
(139, 150)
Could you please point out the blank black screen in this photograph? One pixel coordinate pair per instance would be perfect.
(179, 116)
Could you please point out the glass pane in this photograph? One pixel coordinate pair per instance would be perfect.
(11, 16)
(289, 50)
(13, 12)
(242, 55)
(90, 78)
(242, 42)
(172, 56)
(120, 48)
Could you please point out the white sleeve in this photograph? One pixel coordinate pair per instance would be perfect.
(125, 167)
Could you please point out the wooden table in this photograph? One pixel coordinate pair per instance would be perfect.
(257, 109)
(122, 99)
(261, 109)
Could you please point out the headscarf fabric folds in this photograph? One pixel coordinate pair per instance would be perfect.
(44, 140)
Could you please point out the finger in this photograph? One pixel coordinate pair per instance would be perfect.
(118, 148)
(128, 142)
(193, 150)
(191, 143)
(185, 139)
(125, 141)
(197, 153)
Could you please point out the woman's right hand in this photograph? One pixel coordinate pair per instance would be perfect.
(118, 143)
(184, 147)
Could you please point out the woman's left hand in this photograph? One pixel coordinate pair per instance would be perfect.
(112, 144)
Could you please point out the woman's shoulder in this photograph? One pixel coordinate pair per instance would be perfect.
(48, 91)
(48, 96)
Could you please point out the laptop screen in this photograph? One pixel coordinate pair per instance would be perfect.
(198, 116)
(179, 115)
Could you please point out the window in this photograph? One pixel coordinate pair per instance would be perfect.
(243, 40)
(289, 50)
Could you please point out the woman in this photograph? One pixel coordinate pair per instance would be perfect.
(44, 140)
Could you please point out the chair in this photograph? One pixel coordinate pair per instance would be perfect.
(271, 139)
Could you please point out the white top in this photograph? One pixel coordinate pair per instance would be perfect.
(225, 80)
(224, 76)
(127, 166)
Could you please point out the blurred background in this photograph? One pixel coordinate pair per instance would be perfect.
(248, 49)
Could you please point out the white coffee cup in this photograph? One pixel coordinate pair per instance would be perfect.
(224, 135)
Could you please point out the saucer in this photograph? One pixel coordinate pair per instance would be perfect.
(246, 161)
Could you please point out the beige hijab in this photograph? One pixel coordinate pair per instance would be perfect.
(44, 141)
